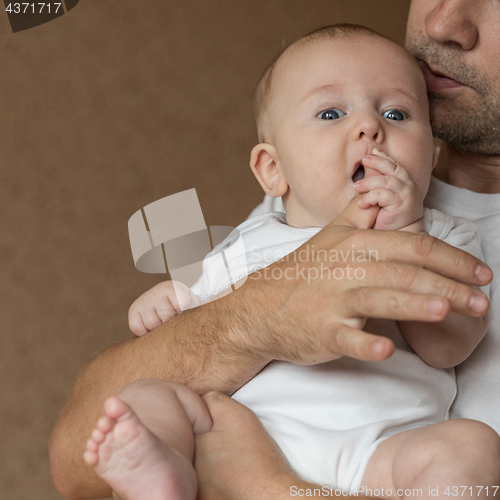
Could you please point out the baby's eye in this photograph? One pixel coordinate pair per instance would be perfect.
(331, 114)
(395, 114)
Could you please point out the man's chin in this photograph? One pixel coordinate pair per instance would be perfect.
(445, 111)
(463, 124)
(452, 129)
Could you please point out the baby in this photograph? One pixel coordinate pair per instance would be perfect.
(339, 103)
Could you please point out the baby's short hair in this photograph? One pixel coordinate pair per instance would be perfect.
(263, 91)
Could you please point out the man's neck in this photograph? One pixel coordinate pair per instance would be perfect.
(474, 172)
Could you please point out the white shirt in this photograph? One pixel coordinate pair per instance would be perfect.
(478, 377)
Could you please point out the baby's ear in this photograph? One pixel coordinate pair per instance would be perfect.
(265, 166)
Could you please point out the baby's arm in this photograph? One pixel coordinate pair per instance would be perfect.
(158, 305)
(446, 343)
(440, 344)
(451, 341)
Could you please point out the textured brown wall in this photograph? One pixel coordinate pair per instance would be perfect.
(108, 108)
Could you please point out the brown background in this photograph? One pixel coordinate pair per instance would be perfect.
(110, 107)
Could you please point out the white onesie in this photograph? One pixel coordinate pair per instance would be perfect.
(329, 418)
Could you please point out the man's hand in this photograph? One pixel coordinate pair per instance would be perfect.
(311, 306)
(238, 460)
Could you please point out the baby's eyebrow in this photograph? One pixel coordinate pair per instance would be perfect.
(322, 88)
(401, 91)
(340, 87)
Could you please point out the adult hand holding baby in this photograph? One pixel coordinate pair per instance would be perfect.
(239, 460)
(322, 293)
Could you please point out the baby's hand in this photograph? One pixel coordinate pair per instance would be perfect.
(388, 185)
(158, 305)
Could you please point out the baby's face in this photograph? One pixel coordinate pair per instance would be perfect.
(334, 100)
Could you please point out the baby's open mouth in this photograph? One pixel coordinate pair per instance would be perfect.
(359, 174)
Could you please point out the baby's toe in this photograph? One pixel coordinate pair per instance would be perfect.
(115, 408)
(92, 445)
(105, 424)
(98, 436)
(90, 458)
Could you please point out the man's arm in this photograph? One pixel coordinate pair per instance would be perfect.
(193, 348)
(305, 310)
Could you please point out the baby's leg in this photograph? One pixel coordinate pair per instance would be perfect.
(454, 458)
(143, 448)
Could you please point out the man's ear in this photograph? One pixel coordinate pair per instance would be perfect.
(264, 165)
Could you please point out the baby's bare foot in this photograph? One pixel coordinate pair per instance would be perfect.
(133, 461)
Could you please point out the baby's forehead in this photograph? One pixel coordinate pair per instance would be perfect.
(347, 52)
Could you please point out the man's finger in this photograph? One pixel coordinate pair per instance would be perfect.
(358, 344)
(412, 280)
(356, 217)
(364, 282)
(424, 251)
(395, 304)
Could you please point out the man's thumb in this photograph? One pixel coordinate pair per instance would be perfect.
(356, 217)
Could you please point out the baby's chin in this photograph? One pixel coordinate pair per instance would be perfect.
(319, 209)
(307, 220)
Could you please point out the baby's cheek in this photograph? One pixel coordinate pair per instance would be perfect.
(421, 178)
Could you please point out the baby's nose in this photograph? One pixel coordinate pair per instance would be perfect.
(369, 127)
(369, 134)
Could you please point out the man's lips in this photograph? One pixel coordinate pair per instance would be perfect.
(438, 82)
